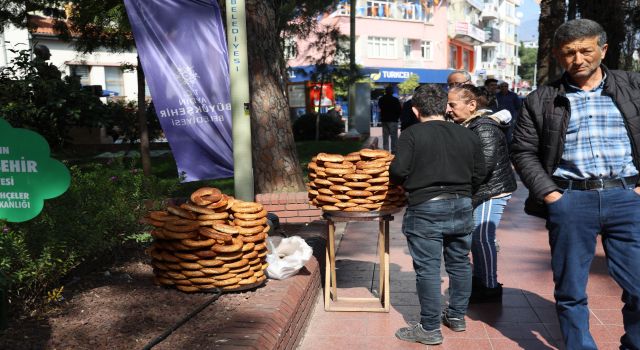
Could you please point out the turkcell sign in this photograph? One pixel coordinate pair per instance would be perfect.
(183, 51)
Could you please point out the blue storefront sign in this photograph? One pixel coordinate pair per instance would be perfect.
(378, 74)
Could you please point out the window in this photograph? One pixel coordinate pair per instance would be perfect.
(290, 48)
(453, 57)
(466, 60)
(82, 72)
(487, 54)
(113, 80)
(425, 49)
(381, 47)
(407, 48)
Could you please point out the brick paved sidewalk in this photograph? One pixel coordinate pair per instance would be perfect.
(525, 320)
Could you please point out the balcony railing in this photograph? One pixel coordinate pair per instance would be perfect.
(410, 10)
(477, 4)
(466, 29)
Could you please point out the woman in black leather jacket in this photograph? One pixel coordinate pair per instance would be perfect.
(466, 106)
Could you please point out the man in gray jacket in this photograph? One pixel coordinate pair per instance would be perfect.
(576, 147)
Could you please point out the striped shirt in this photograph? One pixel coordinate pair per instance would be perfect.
(597, 144)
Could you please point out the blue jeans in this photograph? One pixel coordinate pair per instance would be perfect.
(574, 222)
(486, 217)
(429, 227)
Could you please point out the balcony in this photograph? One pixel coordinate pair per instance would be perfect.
(490, 12)
(516, 2)
(395, 10)
(468, 33)
(492, 35)
(477, 4)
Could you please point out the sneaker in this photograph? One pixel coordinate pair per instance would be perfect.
(455, 324)
(416, 334)
(481, 294)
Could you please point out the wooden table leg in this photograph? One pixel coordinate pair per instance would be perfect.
(381, 273)
(327, 267)
(387, 279)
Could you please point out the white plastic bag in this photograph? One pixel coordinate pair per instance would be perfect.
(288, 258)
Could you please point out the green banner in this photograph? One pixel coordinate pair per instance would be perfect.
(28, 175)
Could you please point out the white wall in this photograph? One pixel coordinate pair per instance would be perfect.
(12, 38)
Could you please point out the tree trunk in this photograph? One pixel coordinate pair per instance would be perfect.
(145, 154)
(275, 160)
(552, 15)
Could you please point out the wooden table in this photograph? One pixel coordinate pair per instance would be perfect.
(370, 304)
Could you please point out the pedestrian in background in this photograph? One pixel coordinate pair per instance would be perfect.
(576, 147)
(509, 100)
(440, 165)
(390, 110)
(407, 117)
(458, 78)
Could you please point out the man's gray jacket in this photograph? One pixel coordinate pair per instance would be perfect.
(538, 139)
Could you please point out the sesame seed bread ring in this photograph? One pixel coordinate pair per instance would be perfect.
(260, 246)
(182, 227)
(177, 245)
(312, 175)
(262, 254)
(226, 228)
(322, 182)
(227, 282)
(259, 273)
(378, 180)
(184, 282)
(212, 198)
(373, 153)
(343, 165)
(198, 243)
(327, 199)
(214, 270)
(160, 215)
(214, 216)
(205, 253)
(186, 256)
(237, 264)
(340, 188)
(377, 197)
(312, 166)
(360, 201)
(164, 281)
(188, 289)
(387, 159)
(354, 193)
(255, 238)
(261, 278)
(226, 276)
(255, 268)
(358, 208)
(247, 207)
(189, 265)
(356, 177)
(250, 280)
(215, 234)
(352, 157)
(181, 212)
(332, 171)
(376, 188)
(193, 273)
(312, 192)
(251, 255)
(250, 223)
(159, 265)
(226, 257)
(149, 221)
(179, 235)
(166, 256)
(210, 262)
(325, 191)
(384, 174)
(342, 197)
(369, 164)
(221, 204)
(373, 206)
(176, 275)
(229, 248)
(320, 173)
(336, 180)
(212, 222)
(248, 247)
(255, 261)
(197, 209)
(330, 208)
(245, 268)
(250, 216)
(247, 231)
(196, 197)
(328, 157)
(372, 171)
(246, 274)
(356, 185)
(203, 280)
(345, 204)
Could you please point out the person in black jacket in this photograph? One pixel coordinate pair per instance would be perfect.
(390, 109)
(576, 146)
(466, 106)
(440, 165)
(407, 117)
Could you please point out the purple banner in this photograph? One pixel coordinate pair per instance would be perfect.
(183, 50)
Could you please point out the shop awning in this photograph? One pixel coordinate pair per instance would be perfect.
(398, 75)
(299, 74)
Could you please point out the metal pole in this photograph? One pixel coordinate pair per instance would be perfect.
(352, 66)
(240, 103)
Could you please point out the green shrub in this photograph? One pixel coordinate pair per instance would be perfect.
(100, 211)
(304, 128)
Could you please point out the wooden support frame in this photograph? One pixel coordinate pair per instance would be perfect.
(369, 304)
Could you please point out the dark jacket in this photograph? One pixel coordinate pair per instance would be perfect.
(538, 139)
(389, 108)
(437, 157)
(407, 118)
(500, 177)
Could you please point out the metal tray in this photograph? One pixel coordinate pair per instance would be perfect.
(360, 214)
